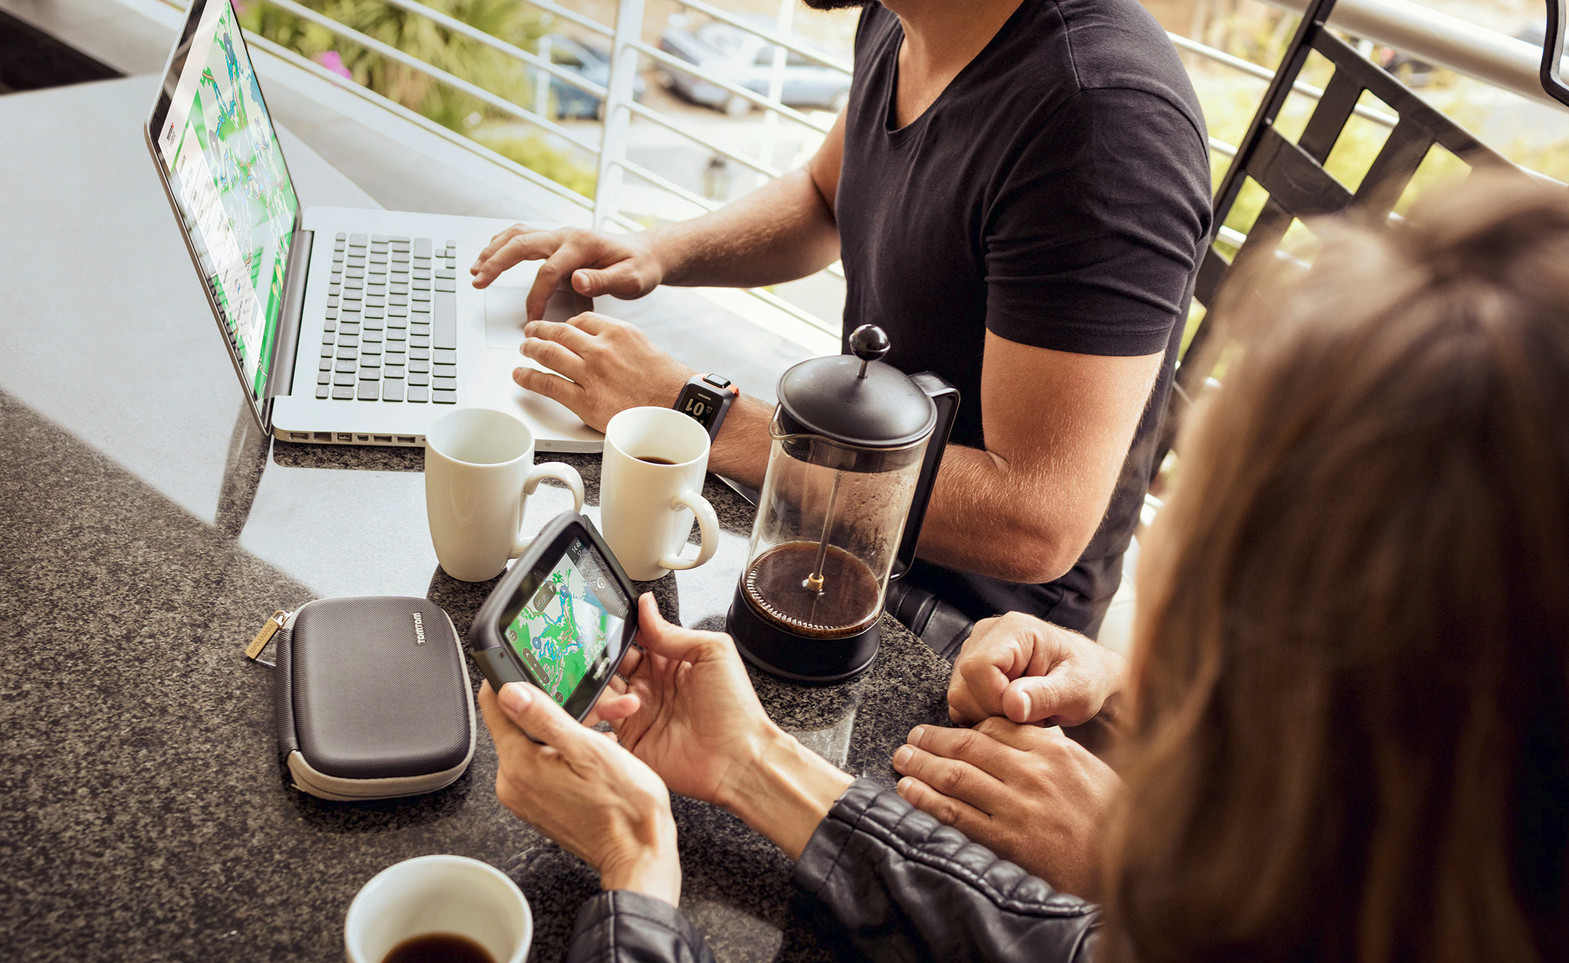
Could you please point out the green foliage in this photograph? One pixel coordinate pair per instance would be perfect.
(415, 35)
(1261, 38)
(420, 37)
(1229, 106)
(1539, 153)
(536, 155)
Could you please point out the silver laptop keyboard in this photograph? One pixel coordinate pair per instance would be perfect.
(392, 321)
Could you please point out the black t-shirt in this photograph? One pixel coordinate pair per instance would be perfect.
(1056, 193)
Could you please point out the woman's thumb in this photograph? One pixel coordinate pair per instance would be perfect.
(663, 639)
(534, 712)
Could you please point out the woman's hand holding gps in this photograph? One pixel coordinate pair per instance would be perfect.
(697, 722)
(582, 790)
(686, 717)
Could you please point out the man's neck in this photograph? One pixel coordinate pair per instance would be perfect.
(940, 38)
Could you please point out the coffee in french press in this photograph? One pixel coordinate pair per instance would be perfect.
(856, 445)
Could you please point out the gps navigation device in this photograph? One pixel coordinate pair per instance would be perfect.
(562, 618)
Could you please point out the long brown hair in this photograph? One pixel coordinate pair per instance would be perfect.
(1351, 669)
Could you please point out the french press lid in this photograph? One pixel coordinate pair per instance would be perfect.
(855, 398)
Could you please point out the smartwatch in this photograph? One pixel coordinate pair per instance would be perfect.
(707, 398)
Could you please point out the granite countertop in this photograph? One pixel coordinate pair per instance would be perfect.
(146, 815)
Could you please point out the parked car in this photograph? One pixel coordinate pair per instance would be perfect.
(746, 60)
(591, 62)
(1406, 68)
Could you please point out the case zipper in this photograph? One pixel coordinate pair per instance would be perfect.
(274, 622)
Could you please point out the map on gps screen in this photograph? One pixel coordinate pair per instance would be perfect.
(561, 632)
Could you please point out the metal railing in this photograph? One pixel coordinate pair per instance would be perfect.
(1439, 38)
(1502, 61)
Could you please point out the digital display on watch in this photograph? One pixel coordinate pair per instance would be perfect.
(707, 398)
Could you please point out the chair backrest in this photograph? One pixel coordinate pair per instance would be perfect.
(1297, 185)
(1553, 53)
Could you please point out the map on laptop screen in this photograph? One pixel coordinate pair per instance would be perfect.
(229, 181)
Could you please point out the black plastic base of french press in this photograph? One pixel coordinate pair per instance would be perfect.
(797, 657)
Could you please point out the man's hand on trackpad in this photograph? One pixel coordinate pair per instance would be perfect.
(506, 309)
(602, 366)
(593, 263)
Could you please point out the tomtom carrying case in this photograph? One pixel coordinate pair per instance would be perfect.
(373, 698)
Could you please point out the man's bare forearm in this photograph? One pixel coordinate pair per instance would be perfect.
(1057, 428)
(991, 518)
(782, 231)
(741, 450)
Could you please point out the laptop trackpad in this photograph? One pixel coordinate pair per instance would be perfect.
(506, 310)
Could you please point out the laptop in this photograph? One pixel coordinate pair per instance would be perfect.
(345, 326)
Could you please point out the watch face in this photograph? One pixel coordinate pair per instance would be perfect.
(706, 398)
(700, 404)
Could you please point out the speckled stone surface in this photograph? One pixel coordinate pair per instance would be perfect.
(145, 814)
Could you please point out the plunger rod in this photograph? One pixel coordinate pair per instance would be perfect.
(814, 582)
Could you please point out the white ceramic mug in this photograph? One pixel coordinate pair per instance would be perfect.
(646, 509)
(479, 472)
(438, 894)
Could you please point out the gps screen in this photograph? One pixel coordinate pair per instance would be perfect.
(562, 630)
(228, 180)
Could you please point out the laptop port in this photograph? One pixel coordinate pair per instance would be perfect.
(299, 436)
(406, 439)
(345, 436)
(323, 436)
(384, 439)
(362, 438)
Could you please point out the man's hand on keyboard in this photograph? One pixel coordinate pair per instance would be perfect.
(604, 366)
(622, 266)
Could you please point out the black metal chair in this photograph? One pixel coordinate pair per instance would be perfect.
(1553, 53)
(1297, 185)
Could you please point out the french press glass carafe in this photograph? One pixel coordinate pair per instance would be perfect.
(856, 447)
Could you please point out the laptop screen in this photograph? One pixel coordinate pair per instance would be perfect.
(228, 181)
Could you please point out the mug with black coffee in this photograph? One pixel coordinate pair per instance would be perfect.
(650, 491)
(438, 908)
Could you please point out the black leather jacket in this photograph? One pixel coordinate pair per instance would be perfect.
(903, 885)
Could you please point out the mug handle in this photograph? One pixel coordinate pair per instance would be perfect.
(561, 472)
(707, 529)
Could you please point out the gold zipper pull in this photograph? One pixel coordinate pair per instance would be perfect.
(273, 624)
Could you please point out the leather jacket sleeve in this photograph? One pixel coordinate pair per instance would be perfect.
(627, 927)
(906, 887)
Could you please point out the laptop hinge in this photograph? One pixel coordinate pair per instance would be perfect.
(281, 381)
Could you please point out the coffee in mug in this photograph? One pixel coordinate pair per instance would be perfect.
(430, 900)
(439, 948)
(650, 491)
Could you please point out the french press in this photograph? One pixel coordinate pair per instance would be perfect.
(856, 447)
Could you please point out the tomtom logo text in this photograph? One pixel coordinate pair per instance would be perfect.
(419, 629)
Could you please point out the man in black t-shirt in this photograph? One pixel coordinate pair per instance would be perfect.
(1032, 236)
(1019, 191)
